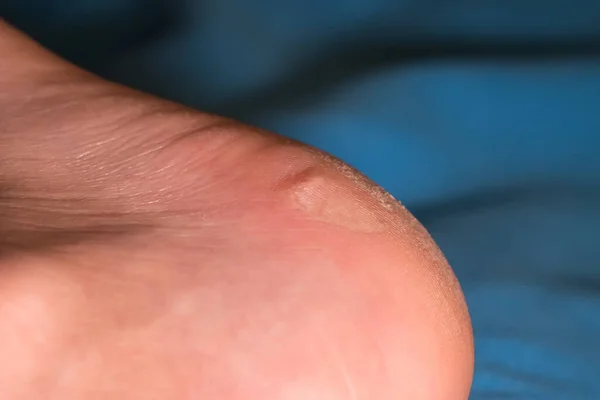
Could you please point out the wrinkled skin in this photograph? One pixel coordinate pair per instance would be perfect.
(149, 251)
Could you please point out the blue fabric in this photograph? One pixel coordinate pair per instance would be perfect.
(482, 116)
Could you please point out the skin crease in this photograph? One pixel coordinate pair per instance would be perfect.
(149, 251)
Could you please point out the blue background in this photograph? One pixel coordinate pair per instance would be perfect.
(483, 117)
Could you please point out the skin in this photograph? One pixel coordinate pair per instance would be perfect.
(150, 251)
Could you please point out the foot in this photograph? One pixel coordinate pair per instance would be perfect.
(149, 251)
